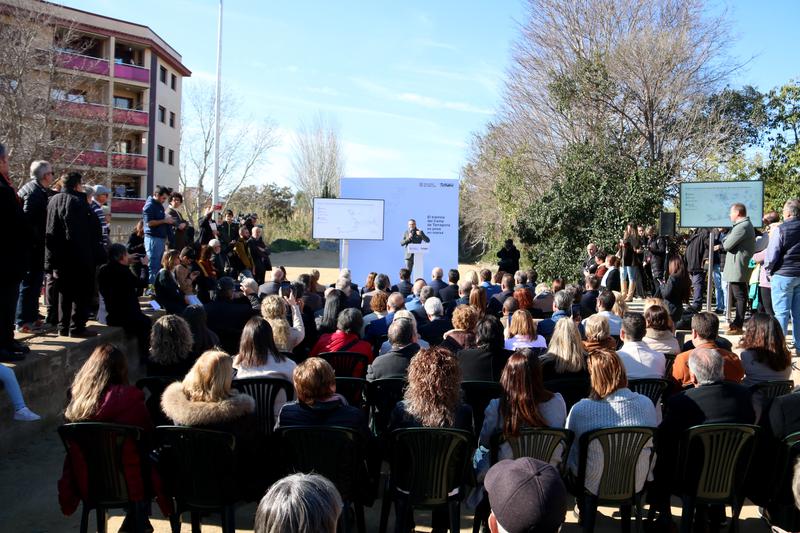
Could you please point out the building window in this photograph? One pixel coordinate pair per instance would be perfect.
(120, 102)
(162, 74)
(160, 153)
(171, 157)
(162, 114)
(173, 82)
(171, 119)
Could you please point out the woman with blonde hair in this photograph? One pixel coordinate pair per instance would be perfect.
(273, 309)
(597, 334)
(565, 355)
(620, 305)
(462, 336)
(170, 347)
(521, 333)
(611, 404)
(477, 300)
(472, 277)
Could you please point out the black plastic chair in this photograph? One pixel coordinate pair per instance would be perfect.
(341, 460)
(652, 388)
(478, 394)
(571, 389)
(382, 396)
(153, 388)
(621, 448)
(781, 510)
(347, 364)
(353, 390)
(670, 360)
(713, 461)
(767, 391)
(198, 469)
(377, 342)
(265, 392)
(427, 464)
(100, 446)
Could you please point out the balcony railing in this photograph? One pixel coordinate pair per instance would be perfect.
(130, 116)
(89, 158)
(127, 205)
(129, 161)
(82, 110)
(83, 63)
(131, 72)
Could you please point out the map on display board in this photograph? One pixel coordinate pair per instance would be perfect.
(347, 218)
(707, 204)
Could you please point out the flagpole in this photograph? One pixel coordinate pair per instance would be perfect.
(217, 99)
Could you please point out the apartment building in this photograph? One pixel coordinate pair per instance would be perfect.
(127, 92)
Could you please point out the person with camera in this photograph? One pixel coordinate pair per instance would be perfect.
(413, 235)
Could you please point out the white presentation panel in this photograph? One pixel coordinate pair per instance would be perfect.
(347, 218)
(706, 204)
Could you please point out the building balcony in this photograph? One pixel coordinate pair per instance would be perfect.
(90, 64)
(131, 72)
(82, 110)
(130, 117)
(88, 158)
(129, 161)
(127, 205)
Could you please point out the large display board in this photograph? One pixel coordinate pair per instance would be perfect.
(434, 206)
(706, 204)
(347, 218)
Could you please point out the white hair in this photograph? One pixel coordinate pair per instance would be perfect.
(707, 365)
(433, 306)
(299, 503)
(39, 168)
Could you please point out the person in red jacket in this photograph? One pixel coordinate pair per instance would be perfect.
(101, 393)
(345, 338)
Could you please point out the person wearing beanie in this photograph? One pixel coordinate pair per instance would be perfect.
(526, 496)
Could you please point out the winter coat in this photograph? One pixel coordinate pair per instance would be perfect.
(739, 245)
(17, 240)
(73, 236)
(34, 204)
(697, 251)
(120, 290)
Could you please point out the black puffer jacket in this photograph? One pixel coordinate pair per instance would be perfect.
(34, 204)
(697, 250)
(18, 242)
(73, 237)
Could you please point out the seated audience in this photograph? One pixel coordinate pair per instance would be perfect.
(345, 338)
(486, 283)
(598, 336)
(765, 356)
(380, 326)
(525, 402)
(168, 293)
(543, 299)
(526, 495)
(641, 362)
(380, 285)
(495, 305)
(659, 336)
(203, 338)
(462, 336)
(562, 308)
(524, 298)
(170, 348)
(299, 503)
(437, 325)
(249, 288)
(369, 284)
(449, 293)
(610, 404)
(378, 306)
(404, 286)
(226, 316)
(620, 305)
(436, 281)
(386, 347)
(477, 300)
(605, 305)
(565, 357)
(589, 298)
(334, 303)
(510, 306)
(274, 309)
(417, 304)
(273, 287)
(522, 333)
(311, 300)
(403, 339)
(486, 360)
(705, 327)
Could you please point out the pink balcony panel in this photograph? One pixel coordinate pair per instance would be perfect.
(127, 205)
(131, 117)
(129, 161)
(83, 110)
(89, 158)
(83, 63)
(131, 72)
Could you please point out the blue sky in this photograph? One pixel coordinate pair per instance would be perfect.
(407, 82)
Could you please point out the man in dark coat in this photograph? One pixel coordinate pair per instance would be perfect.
(450, 293)
(404, 286)
(696, 264)
(509, 257)
(495, 306)
(120, 290)
(226, 316)
(394, 364)
(13, 268)
(34, 196)
(439, 324)
(73, 246)
(413, 235)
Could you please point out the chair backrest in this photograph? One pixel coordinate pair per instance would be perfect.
(428, 463)
(670, 360)
(198, 466)
(353, 390)
(99, 446)
(652, 388)
(478, 394)
(377, 342)
(153, 388)
(769, 390)
(714, 460)
(621, 448)
(539, 443)
(382, 396)
(265, 392)
(571, 389)
(340, 459)
(347, 364)
(783, 512)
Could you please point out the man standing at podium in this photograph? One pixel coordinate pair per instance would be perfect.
(413, 235)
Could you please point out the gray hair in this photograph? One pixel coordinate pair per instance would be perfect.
(707, 365)
(396, 301)
(465, 286)
(425, 293)
(250, 283)
(433, 306)
(792, 207)
(563, 300)
(300, 503)
(520, 277)
(345, 273)
(401, 331)
(39, 168)
(342, 283)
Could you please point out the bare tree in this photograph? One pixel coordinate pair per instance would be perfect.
(245, 145)
(317, 160)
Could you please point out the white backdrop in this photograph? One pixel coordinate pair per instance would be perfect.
(432, 203)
